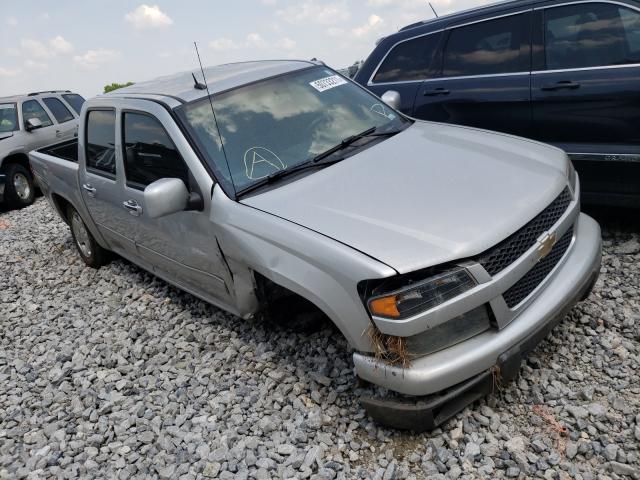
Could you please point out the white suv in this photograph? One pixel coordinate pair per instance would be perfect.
(28, 122)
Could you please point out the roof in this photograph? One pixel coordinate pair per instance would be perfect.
(219, 78)
(15, 98)
(489, 8)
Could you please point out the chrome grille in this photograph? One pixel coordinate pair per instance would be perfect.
(513, 247)
(528, 283)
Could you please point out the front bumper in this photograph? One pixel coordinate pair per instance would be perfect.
(477, 356)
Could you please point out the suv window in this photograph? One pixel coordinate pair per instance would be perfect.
(591, 35)
(58, 109)
(409, 60)
(490, 47)
(33, 109)
(101, 141)
(631, 23)
(74, 100)
(8, 117)
(149, 152)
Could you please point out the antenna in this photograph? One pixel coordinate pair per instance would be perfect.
(205, 86)
(196, 84)
(434, 10)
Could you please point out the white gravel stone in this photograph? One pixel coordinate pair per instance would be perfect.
(112, 373)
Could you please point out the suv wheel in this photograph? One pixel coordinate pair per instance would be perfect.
(19, 190)
(92, 254)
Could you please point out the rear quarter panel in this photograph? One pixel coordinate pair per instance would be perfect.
(58, 180)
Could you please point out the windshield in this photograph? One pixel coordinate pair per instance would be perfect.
(8, 117)
(281, 122)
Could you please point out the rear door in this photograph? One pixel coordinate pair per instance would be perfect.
(99, 182)
(586, 91)
(484, 81)
(40, 137)
(403, 69)
(67, 127)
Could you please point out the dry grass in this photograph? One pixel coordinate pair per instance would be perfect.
(553, 426)
(497, 378)
(390, 349)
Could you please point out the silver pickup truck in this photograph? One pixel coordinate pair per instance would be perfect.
(28, 122)
(442, 253)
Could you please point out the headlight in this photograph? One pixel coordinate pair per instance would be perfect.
(421, 296)
(571, 175)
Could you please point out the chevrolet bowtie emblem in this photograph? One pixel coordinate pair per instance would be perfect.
(546, 244)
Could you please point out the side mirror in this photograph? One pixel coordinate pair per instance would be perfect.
(33, 124)
(165, 196)
(391, 98)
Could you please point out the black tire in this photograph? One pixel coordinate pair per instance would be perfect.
(19, 190)
(90, 251)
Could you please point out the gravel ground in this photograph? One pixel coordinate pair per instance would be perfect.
(114, 374)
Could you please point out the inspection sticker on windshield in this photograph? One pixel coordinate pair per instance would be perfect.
(328, 82)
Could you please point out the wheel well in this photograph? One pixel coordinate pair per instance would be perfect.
(62, 204)
(286, 307)
(17, 158)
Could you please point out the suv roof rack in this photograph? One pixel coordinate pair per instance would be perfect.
(33, 94)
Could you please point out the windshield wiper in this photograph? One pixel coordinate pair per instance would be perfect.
(369, 132)
(283, 173)
(316, 161)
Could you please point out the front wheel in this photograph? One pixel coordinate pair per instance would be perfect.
(19, 190)
(91, 252)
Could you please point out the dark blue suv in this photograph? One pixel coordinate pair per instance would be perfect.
(565, 73)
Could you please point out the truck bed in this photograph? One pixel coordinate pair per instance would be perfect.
(56, 170)
(67, 150)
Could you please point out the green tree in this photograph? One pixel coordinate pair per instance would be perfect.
(115, 86)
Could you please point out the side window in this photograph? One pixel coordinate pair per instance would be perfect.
(74, 100)
(101, 141)
(590, 35)
(490, 47)
(8, 117)
(58, 109)
(149, 152)
(410, 60)
(631, 24)
(33, 109)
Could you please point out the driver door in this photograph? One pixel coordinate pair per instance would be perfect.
(45, 135)
(181, 247)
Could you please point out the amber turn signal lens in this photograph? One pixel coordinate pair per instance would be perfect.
(385, 306)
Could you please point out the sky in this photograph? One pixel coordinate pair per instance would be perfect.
(84, 45)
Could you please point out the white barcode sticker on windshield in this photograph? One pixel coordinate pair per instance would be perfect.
(328, 82)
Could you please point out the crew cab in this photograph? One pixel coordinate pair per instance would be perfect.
(28, 122)
(564, 73)
(440, 252)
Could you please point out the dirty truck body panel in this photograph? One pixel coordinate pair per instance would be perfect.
(460, 242)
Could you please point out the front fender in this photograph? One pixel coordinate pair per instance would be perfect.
(314, 266)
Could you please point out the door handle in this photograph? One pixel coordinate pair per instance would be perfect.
(133, 207)
(568, 84)
(435, 92)
(89, 189)
(58, 133)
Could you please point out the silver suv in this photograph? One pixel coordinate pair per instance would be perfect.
(28, 122)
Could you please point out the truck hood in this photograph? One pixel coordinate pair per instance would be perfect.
(6, 135)
(428, 195)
